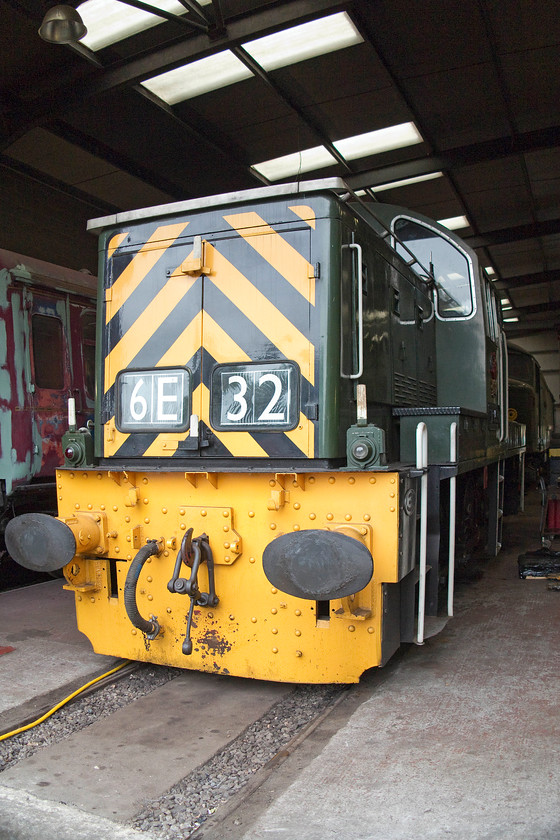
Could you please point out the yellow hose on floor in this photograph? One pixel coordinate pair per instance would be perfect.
(62, 703)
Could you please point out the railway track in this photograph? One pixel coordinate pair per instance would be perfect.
(159, 749)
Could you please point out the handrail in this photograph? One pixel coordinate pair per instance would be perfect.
(452, 519)
(358, 249)
(422, 464)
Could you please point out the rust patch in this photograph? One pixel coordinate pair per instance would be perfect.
(215, 643)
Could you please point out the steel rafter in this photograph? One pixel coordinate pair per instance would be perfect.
(76, 90)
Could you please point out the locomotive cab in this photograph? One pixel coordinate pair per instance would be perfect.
(470, 344)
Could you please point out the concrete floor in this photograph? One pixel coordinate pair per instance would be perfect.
(456, 739)
(42, 654)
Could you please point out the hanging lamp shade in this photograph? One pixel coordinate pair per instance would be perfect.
(62, 25)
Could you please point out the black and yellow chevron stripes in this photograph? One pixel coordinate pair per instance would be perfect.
(255, 302)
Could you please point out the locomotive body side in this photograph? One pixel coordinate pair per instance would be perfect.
(532, 403)
(250, 510)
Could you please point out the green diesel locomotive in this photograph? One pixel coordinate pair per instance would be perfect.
(301, 416)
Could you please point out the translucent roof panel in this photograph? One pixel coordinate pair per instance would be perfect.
(362, 145)
(305, 161)
(454, 222)
(307, 40)
(109, 21)
(381, 140)
(210, 73)
(406, 182)
(297, 43)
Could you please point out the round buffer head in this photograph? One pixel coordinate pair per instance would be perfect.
(40, 542)
(317, 565)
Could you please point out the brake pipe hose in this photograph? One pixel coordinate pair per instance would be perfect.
(62, 703)
(149, 627)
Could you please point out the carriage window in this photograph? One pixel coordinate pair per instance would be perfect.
(450, 266)
(522, 367)
(48, 352)
(88, 351)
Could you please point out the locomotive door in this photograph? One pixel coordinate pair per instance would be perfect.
(208, 349)
(50, 377)
(404, 340)
(496, 364)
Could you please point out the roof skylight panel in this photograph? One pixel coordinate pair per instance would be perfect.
(381, 140)
(407, 182)
(297, 43)
(305, 161)
(361, 145)
(201, 76)
(307, 40)
(454, 222)
(109, 21)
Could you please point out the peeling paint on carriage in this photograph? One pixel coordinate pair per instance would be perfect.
(41, 365)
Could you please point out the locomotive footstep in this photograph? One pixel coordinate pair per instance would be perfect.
(40, 542)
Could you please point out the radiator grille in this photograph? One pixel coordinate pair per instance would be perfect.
(409, 391)
(404, 389)
(427, 393)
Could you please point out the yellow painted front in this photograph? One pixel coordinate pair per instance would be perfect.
(255, 631)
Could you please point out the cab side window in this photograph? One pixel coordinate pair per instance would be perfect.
(451, 268)
(491, 311)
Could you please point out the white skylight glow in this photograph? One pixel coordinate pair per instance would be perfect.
(454, 222)
(210, 73)
(109, 21)
(307, 40)
(510, 320)
(351, 148)
(382, 140)
(278, 50)
(304, 161)
(489, 269)
(505, 302)
(406, 182)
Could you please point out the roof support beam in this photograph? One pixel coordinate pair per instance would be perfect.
(289, 100)
(534, 309)
(182, 21)
(514, 234)
(452, 159)
(531, 327)
(524, 280)
(76, 90)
